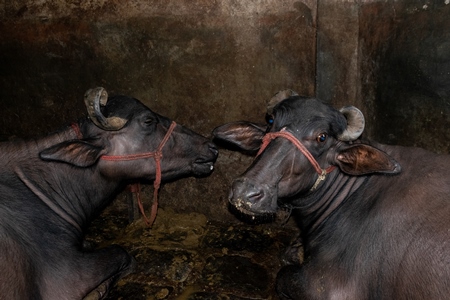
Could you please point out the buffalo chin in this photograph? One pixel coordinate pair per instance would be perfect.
(251, 217)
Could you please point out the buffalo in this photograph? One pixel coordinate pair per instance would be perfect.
(52, 187)
(374, 218)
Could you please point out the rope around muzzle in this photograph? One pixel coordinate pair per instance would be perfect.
(268, 137)
(157, 155)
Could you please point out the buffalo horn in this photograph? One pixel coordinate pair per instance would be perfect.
(355, 123)
(93, 99)
(278, 97)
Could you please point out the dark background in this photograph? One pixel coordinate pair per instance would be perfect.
(207, 62)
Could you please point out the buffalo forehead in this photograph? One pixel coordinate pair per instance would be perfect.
(300, 110)
(124, 107)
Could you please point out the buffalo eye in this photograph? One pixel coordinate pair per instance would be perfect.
(321, 138)
(269, 119)
(148, 121)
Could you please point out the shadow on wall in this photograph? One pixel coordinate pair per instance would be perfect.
(201, 63)
(413, 93)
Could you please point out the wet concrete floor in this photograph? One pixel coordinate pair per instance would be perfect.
(187, 256)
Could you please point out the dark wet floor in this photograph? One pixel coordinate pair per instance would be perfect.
(187, 256)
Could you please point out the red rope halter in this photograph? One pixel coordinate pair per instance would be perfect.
(268, 137)
(157, 155)
(77, 130)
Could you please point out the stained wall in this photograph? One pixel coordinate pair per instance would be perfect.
(204, 63)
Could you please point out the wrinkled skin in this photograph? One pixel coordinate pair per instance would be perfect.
(376, 228)
(52, 187)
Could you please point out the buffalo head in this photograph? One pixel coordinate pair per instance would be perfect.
(124, 140)
(303, 140)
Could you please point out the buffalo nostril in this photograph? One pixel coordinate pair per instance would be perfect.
(254, 196)
(243, 193)
(252, 199)
(213, 149)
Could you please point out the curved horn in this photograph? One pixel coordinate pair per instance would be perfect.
(277, 98)
(93, 99)
(355, 123)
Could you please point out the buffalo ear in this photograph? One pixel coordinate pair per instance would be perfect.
(360, 159)
(246, 136)
(77, 153)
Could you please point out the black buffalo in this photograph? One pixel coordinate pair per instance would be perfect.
(52, 187)
(375, 219)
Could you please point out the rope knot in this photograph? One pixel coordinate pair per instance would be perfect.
(158, 155)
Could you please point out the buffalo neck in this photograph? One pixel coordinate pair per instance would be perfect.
(315, 207)
(74, 194)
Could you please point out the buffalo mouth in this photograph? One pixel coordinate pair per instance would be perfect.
(254, 217)
(251, 217)
(203, 166)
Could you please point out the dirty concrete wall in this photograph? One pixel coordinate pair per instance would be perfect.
(200, 62)
(392, 60)
(413, 90)
(204, 63)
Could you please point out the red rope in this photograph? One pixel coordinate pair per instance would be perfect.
(76, 129)
(289, 136)
(135, 188)
(157, 155)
